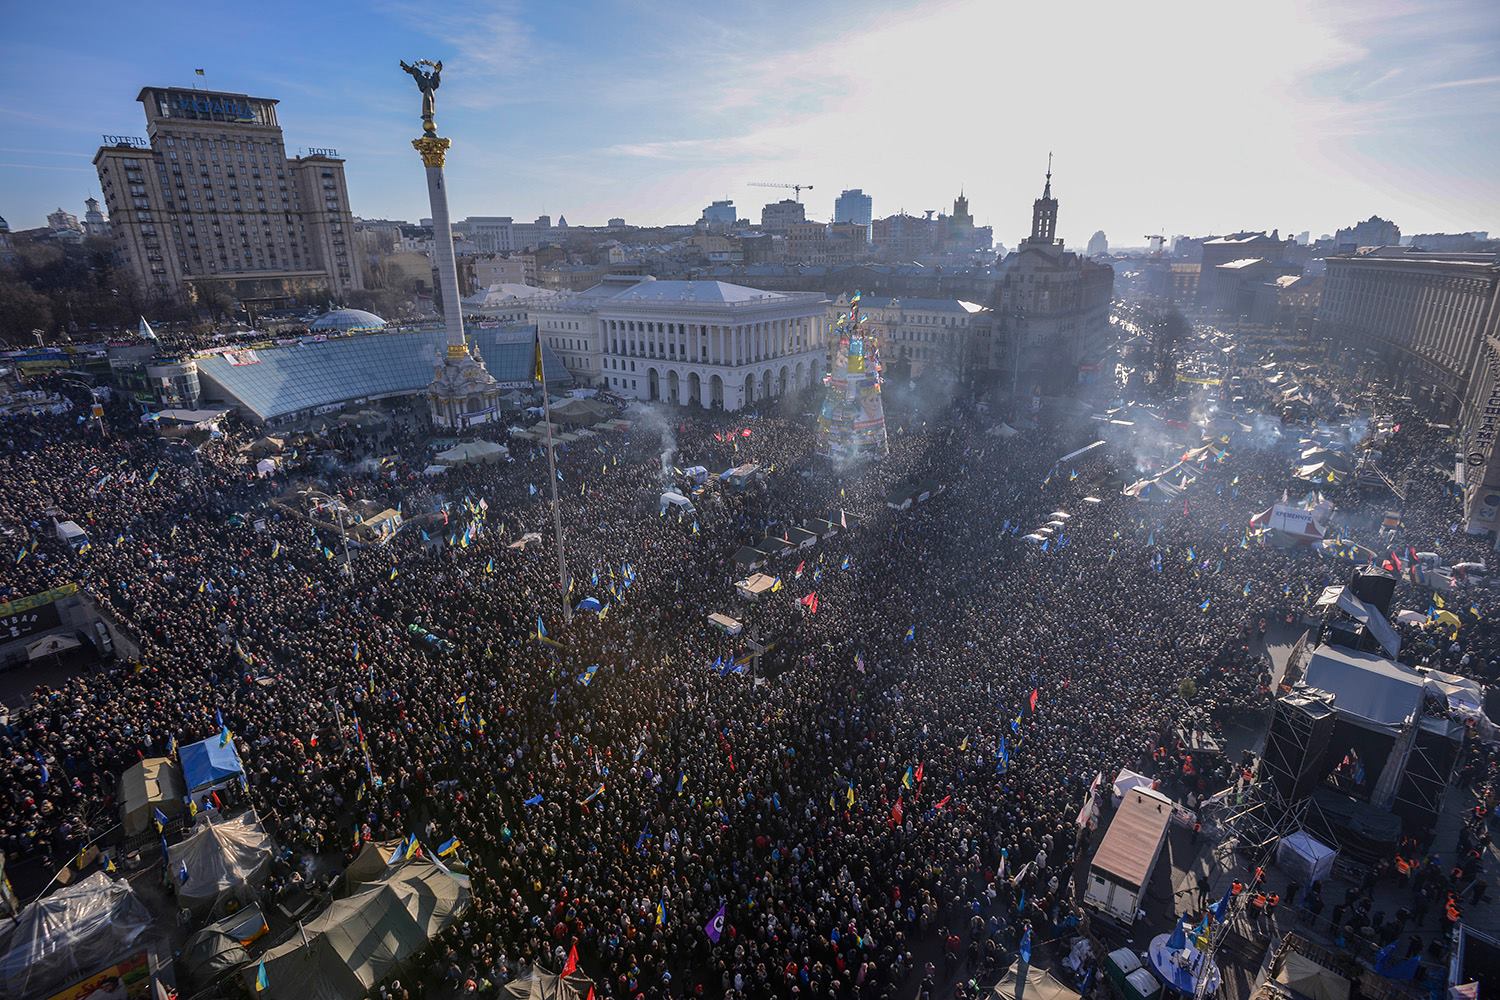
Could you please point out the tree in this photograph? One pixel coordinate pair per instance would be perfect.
(22, 310)
(1188, 689)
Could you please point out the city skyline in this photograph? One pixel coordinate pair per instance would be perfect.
(611, 110)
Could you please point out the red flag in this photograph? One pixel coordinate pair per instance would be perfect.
(943, 803)
(918, 773)
(572, 963)
(897, 812)
(810, 602)
(800, 565)
(724, 742)
(745, 432)
(1033, 701)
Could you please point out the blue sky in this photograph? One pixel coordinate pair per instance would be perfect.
(1179, 117)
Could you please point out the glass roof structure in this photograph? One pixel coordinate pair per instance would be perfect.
(283, 381)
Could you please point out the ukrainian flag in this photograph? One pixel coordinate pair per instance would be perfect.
(262, 981)
(449, 847)
(536, 374)
(661, 913)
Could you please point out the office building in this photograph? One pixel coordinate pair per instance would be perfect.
(1423, 316)
(720, 213)
(1098, 244)
(780, 216)
(1216, 284)
(689, 343)
(211, 196)
(855, 207)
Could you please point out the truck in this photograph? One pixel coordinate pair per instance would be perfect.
(1122, 865)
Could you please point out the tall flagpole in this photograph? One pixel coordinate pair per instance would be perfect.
(562, 559)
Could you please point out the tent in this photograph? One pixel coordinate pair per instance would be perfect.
(359, 940)
(543, 985)
(1306, 978)
(208, 764)
(225, 858)
(1125, 781)
(220, 947)
(483, 452)
(152, 783)
(370, 865)
(265, 467)
(1040, 985)
(68, 935)
(1306, 858)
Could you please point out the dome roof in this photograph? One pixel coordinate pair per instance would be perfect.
(347, 320)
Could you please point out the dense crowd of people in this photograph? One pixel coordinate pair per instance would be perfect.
(885, 798)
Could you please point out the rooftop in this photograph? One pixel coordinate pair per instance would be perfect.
(284, 380)
(1235, 265)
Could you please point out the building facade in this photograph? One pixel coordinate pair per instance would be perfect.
(1219, 250)
(689, 343)
(94, 222)
(854, 207)
(1423, 316)
(1098, 244)
(780, 216)
(211, 196)
(1373, 232)
(933, 335)
(1052, 313)
(720, 213)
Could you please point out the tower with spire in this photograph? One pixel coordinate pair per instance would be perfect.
(1044, 215)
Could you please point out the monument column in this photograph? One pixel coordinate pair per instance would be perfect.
(434, 152)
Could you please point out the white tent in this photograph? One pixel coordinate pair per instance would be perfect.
(223, 858)
(1125, 781)
(1305, 857)
(265, 467)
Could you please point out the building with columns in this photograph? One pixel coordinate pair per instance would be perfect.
(690, 343)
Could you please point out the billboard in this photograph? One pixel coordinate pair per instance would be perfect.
(127, 979)
(1295, 521)
(37, 613)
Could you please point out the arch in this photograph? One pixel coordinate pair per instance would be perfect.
(800, 375)
(672, 386)
(653, 385)
(781, 383)
(716, 392)
(695, 389)
(765, 384)
(749, 389)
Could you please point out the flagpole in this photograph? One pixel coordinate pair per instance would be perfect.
(562, 560)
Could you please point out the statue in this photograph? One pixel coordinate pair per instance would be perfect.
(426, 83)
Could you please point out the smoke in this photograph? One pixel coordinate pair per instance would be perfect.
(651, 420)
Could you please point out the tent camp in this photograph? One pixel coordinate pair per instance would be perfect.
(1306, 978)
(543, 985)
(147, 785)
(210, 764)
(63, 937)
(358, 941)
(472, 452)
(1040, 985)
(224, 858)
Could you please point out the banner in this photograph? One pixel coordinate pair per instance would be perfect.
(128, 978)
(37, 613)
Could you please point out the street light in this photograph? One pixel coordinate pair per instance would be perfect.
(95, 410)
(336, 505)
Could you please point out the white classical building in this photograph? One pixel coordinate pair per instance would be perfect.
(691, 343)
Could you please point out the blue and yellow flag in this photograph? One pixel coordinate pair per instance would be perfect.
(262, 981)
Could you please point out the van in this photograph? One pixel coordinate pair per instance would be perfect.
(70, 532)
(672, 500)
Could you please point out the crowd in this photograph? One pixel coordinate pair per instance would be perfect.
(885, 801)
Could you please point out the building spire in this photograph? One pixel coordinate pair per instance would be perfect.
(1044, 213)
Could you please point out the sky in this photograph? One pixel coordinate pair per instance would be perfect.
(1163, 116)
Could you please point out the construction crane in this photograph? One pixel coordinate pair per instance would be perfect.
(797, 189)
